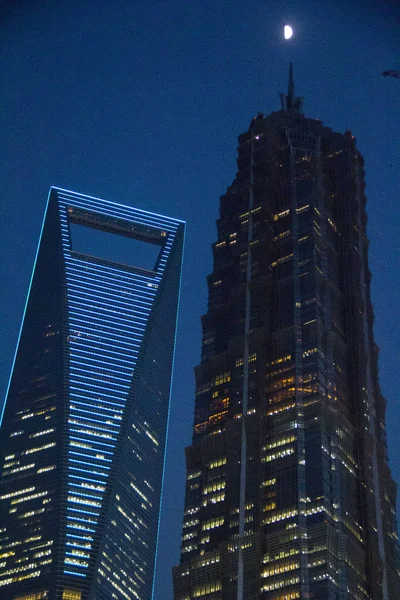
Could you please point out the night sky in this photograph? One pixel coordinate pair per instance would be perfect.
(141, 102)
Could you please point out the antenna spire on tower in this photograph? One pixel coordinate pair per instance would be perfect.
(289, 101)
(290, 94)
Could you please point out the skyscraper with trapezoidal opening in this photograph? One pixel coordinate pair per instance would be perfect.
(84, 428)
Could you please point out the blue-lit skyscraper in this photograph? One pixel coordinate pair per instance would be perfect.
(84, 430)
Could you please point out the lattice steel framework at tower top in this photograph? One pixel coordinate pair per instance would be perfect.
(288, 492)
(84, 429)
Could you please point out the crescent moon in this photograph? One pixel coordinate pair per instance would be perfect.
(288, 32)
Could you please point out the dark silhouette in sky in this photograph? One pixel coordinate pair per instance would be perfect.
(141, 103)
(391, 73)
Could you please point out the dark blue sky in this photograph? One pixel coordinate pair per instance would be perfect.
(141, 102)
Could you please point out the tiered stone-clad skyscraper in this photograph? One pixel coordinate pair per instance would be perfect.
(82, 442)
(288, 493)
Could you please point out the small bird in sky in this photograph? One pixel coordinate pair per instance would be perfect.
(391, 73)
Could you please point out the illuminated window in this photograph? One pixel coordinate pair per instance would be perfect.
(212, 523)
(18, 469)
(193, 475)
(189, 536)
(69, 594)
(287, 596)
(284, 213)
(280, 516)
(239, 362)
(217, 462)
(204, 561)
(281, 260)
(29, 497)
(280, 555)
(34, 596)
(280, 360)
(44, 432)
(17, 493)
(282, 235)
(279, 454)
(222, 378)
(275, 411)
(190, 523)
(17, 433)
(302, 208)
(280, 568)
(208, 588)
(215, 486)
(214, 498)
(310, 352)
(280, 584)
(200, 427)
(280, 442)
(40, 448)
(217, 417)
(45, 469)
(268, 482)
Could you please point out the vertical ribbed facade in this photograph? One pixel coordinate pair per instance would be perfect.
(84, 429)
(288, 493)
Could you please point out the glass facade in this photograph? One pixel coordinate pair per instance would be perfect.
(288, 492)
(84, 429)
